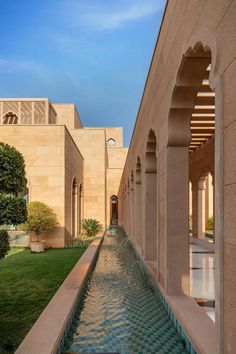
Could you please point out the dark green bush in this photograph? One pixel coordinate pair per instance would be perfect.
(13, 210)
(12, 181)
(12, 170)
(4, 243)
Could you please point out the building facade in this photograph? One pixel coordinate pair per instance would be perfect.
(73, 169)
(185, 132)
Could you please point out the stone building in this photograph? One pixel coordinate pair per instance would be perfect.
(185, 135)
(182, 151)
(73, 169)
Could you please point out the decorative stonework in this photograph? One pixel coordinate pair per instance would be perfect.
(27, 112)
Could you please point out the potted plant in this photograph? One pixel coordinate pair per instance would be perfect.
(91, 227)
(41, 218)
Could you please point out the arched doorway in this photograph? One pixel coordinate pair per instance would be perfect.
(74, 209)
(114, 210)
(150, 199)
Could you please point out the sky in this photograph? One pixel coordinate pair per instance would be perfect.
(94, 53)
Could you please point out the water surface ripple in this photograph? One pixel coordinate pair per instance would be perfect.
(120, 312)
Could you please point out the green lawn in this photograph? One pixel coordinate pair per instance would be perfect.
(27, 283)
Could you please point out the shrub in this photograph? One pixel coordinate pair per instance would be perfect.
(210, 223)
(12, 170)
(80, 242)
(91, 227)
(4, 243)
(41, 218)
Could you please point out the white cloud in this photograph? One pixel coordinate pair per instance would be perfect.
(97, 17)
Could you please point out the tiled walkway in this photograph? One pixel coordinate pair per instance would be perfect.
(202, 282)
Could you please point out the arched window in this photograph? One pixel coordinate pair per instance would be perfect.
(10, 118)
(111, 142)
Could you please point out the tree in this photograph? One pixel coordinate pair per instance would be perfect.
(41, 218)
(12, 170)
(12, 181)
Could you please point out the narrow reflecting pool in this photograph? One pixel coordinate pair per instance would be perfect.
(120, 311)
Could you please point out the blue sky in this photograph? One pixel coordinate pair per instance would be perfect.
(95, 53)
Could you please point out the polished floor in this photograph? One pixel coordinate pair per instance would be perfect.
(202, 278)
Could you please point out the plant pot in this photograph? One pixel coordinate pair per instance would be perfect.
(37, 246)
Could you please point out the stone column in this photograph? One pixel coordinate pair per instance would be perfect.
(150, 216)
(138, 216)
(176, 223)
(132, 213)
(207, 201)
(128, 213)
(201, 209)
(195, 209)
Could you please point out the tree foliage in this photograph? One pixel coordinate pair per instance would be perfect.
(4, 243)
(12, 181)
(12, 210)
(91, 227)
(41, 218)
(12, 170)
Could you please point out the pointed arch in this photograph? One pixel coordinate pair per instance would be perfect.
(10, 118)
(150, 198)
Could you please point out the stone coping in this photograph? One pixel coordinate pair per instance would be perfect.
(46, 334)
(199, 328)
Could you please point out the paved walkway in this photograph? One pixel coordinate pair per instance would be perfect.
(202, 281)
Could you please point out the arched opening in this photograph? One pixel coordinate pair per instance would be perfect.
(132, 206)
(209, 208)
(114, 210)
(204, 208)
(10, 118)
(150, 199)
(190, 219)
(81, 203)
(111, 143)
(74, 209)
(191, 147)
(138, 207)
(128, 207)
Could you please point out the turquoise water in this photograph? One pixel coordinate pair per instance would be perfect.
(120, 312)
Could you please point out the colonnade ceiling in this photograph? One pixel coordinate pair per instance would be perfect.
(203, 115)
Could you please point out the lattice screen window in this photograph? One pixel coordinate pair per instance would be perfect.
(26, 112)
(39, 113)
(10, 118)
(10, 107)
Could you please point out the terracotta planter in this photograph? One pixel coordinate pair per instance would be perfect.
(37, 246)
